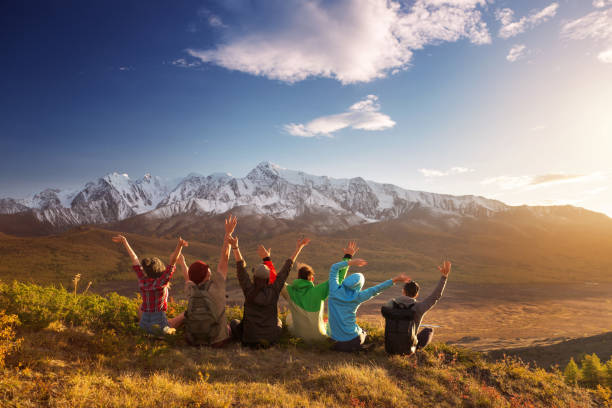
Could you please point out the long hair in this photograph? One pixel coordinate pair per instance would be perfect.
(153, 267)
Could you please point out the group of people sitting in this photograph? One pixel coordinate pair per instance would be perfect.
(205, 321)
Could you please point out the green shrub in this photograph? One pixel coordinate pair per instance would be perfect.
(38, 306)
(571, 372)
(591, 371)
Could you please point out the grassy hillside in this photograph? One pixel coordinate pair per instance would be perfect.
(86, 351)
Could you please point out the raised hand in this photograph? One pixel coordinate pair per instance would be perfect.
(233, 241)
(303, 242)
(230, 224)
(445, 268)
(351, 249)
(357, 262)
(263, 252)
(119, 239)
(182, 242)
(402, 277)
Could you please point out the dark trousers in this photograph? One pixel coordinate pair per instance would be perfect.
(350, 345)
(236, 329)
(424, 337)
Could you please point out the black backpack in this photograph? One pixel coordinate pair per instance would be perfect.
(400, 328)
(201, 317)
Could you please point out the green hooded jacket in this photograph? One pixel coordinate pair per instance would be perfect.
(306, 306)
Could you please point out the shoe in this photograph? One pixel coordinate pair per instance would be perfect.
(169, 330)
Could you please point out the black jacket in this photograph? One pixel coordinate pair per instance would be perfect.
(260, 323)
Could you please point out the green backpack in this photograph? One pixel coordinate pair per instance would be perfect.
(201, 317)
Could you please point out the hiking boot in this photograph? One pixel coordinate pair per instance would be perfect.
(169, 330)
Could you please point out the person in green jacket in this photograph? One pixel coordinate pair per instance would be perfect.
(306, 301)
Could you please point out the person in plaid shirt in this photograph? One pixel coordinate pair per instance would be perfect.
(153, 282)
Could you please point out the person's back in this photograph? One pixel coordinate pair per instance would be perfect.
(344, 300)
(260, 322)
(307, 302)
(205, 321)
(420, 308)
(260, 325)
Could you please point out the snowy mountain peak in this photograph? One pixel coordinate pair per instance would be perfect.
(267, 189)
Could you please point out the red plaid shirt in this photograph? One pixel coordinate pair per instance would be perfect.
(154, 291)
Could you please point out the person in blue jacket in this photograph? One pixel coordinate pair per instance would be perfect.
(345, 299)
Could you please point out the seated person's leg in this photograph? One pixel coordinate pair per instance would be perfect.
(350, 345)
(154, 322)
(176, 321)
(424, 337)
(236, 329)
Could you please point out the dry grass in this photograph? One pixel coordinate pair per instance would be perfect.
(75, 367)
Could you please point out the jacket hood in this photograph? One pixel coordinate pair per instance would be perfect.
(300, 285)
(354, 282)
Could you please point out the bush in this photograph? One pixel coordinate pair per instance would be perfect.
(592, 373)
(38, 306)
(591, 370)
(571, 372)
(8, 343)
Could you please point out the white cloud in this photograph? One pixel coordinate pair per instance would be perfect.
(602, 3)
(510, 27)
(517, 52)
(363, 115)
(605, 56)
(442, 173)
(597, 26)
(183, 63)
(126, 68)
(348, 40)
(542, 180)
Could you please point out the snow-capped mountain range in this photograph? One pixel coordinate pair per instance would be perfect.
(267, 189)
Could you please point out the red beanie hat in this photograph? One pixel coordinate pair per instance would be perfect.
(198, 272)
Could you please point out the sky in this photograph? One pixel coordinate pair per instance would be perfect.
(510, 100)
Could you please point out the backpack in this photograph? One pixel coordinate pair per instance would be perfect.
(400, 328)
(201, 317)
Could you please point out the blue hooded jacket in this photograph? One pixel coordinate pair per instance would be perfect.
(344, 300)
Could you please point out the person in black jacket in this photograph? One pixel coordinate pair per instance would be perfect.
(260, 325)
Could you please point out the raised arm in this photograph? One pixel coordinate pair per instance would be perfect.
(349, 253)
(177, 251)
(183, 265)
(121, 239)
(243, 277)
(322, 289)
(433, 298)
(230, 226)
(369, 293)
(298, 248)
(283, 274)
(233, 242)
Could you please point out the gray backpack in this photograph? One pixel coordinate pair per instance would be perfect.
(201, 317)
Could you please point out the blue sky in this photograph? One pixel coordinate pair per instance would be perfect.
(507, 99)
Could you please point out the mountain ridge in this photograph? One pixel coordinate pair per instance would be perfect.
(267, 190)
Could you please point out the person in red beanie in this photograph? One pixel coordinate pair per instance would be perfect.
(205, 321)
